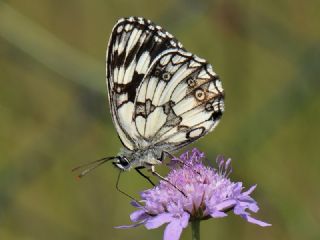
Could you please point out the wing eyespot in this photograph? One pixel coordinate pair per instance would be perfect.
(208, 107)
(191, 82)
(166, 76)
(200, 94)
(157, 72)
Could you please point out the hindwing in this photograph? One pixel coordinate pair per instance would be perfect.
(179, 100)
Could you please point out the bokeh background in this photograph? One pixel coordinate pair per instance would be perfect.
(54, 114)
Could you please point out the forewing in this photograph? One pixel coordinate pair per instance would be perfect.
(133, 46)
(180, 100)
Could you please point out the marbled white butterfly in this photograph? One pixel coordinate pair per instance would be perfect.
(161, 96)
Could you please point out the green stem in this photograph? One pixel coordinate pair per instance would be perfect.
(195, 226)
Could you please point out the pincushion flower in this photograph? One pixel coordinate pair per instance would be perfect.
(192, 193)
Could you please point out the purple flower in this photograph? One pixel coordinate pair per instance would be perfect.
(193, 191)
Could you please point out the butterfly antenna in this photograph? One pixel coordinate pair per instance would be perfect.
(88, 167)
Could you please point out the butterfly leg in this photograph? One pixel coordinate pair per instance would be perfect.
(171, 156)
(178, 161)
(124, 193)
(153, 171)
(171, 163)
(167, 153)
(143, 175)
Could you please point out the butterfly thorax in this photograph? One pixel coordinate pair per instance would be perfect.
(147, 157)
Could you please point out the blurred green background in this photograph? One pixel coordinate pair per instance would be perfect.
(54, 114)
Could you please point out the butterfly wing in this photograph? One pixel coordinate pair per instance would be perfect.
(133, 46)
(180, 100)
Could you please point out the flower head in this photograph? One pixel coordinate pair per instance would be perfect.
(193, 191)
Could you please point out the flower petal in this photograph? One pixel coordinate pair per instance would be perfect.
(237, 188)
(138, 216)
(242, 206)
(253, 207)
(217, 214)
(255, 221)
(184, 219)
(226, 204)
(238, 210)
(129, 226)
(157, 221)
(136, 204)
(250, 190)
(173, 230)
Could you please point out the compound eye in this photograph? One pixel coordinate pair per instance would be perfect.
(124, 161)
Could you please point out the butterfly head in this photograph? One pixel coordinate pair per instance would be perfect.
(122, 163)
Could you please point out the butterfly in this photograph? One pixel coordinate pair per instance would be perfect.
(161, 96)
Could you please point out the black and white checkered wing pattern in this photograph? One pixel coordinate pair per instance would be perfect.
(133, 46)
(180, 100)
